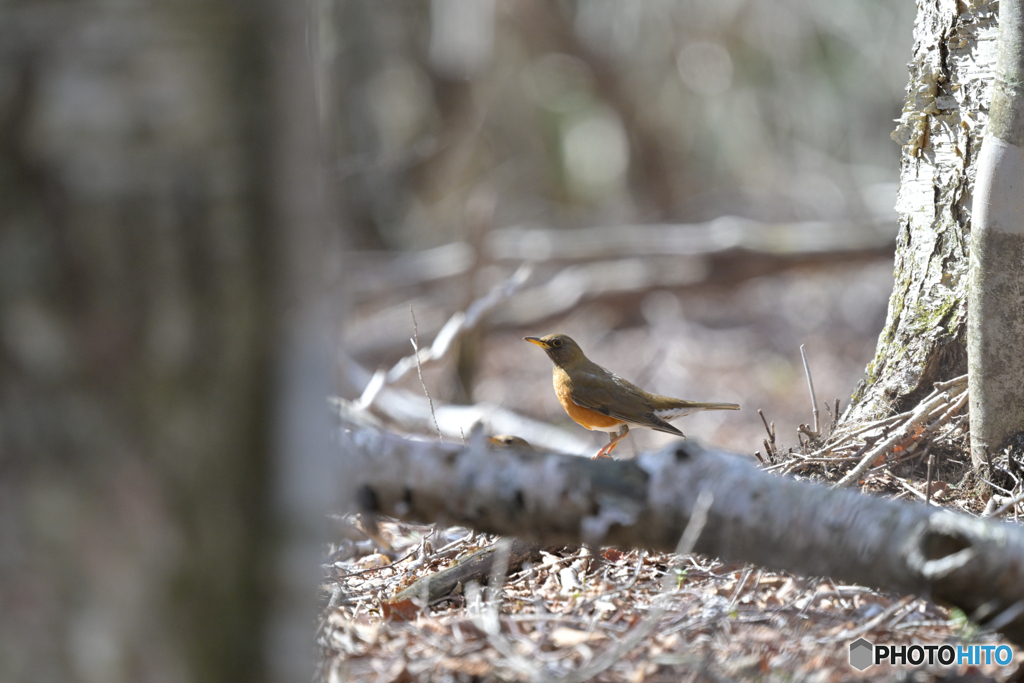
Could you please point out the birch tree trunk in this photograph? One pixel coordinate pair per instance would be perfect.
(940, 130)
(996, 322)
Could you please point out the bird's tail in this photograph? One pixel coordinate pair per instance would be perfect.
(671, 408)
(692, 405)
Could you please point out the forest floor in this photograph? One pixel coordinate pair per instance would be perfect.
(611, 616)
(603, 614)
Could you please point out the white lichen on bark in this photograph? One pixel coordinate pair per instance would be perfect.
(940, 130)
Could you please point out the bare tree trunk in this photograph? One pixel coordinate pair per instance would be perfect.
(753, 517)
(139, 318)
(996, 322)
(943, 119)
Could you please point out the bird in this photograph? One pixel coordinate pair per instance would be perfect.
(510, 441)
(600, 400)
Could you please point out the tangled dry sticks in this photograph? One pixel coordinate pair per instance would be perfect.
(939, 420)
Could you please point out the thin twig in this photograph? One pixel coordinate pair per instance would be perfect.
(739, 587)
(390, 565)
(928, 480)
(802, 461)
(457, 325)
(888, 464)
(953, 410)
(641, 554)
(1006, 616)
(769, 443)
(1008, 506)
(996, 486)
(920, 414)
(942, 386)
(866, 428)
(419, 370)
(861, 630)
(910, 489)
(814, 399)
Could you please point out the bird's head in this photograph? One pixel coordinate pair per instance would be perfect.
(509, 441)
(561, 349)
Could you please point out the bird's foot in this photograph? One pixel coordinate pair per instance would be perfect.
(606, 451)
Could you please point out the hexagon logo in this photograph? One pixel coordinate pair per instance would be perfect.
(862, 654)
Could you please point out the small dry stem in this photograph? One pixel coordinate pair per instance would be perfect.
(419, 370)
(816, 432)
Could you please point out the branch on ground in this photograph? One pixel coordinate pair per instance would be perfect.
(477, 566)
(975, 565)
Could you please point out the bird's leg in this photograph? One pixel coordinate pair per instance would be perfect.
(614, 440)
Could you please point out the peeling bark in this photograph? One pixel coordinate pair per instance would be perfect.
(755, 517)
(944, 117)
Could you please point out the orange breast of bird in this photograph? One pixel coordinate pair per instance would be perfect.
(584, 416)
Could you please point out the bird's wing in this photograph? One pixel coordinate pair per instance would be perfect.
(607, 393)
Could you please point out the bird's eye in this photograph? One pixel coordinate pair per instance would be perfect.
(556, 342)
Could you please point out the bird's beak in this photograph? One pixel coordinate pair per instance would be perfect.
(536, 340)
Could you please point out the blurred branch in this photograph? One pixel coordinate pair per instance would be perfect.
(412, 412)
(538, 244)
(587, 263)
(755, 517)
(455, 327)
(721, 235)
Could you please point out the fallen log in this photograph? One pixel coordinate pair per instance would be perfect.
(778, 523)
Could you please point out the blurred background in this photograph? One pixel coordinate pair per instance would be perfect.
(699, 188)
(692, 190)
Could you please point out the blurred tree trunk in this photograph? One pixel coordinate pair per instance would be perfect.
(940, 130)
(140, 305)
